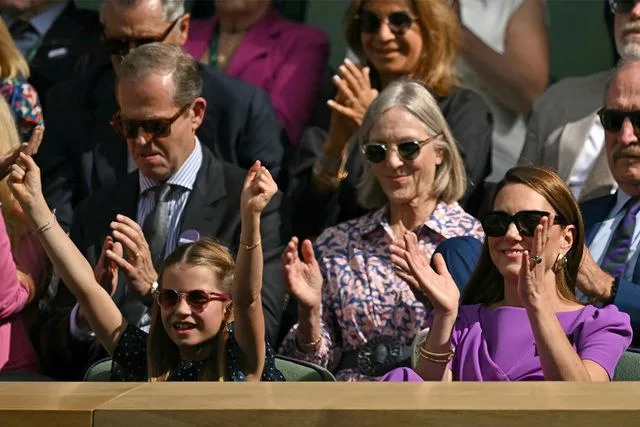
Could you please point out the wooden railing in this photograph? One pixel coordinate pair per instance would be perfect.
(317, 404)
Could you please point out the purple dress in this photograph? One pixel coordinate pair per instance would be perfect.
(498, 344)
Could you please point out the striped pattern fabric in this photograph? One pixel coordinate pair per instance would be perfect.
(182, 183)
(615, 259)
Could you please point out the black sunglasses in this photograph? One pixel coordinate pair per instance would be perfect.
(122, 46)
(612, 119)
(151, 128)
(196, 299)
(496, 224)
(621, 7)
(376, 152)
(399, 22)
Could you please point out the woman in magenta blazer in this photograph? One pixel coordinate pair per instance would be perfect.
(248, 40)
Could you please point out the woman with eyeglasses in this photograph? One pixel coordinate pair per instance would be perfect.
(519, 318)
(393, 39)
(357, 316)
(207, 321)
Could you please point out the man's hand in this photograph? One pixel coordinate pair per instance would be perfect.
(135, 260)
(592, 280)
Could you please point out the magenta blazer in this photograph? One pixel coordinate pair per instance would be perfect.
(286, 59)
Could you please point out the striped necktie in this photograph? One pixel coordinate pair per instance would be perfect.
(156, 225)
(615, 259)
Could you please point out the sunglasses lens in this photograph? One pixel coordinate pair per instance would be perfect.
(369, 22)
(409, 150)
(612, 120)
(622, 6)
(375, 153)
(159, 128)
(528, 221)
(399, 22)
(495, 224)
(167, 298)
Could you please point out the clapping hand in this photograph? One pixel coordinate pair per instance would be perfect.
(29, 148)
(412, 265)
(259, 187)
(303, 276)
(354, 92)
(106, 270)
(531, 287)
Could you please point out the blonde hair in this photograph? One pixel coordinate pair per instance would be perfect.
(451, 180)
(441, 35)
(12, 63)
(162, 353)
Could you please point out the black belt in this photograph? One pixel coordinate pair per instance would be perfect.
(377, 357)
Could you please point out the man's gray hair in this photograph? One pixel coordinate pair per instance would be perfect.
(450, 181)
(164, 59)
(173, 9)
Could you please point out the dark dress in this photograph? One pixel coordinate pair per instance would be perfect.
(130, 360)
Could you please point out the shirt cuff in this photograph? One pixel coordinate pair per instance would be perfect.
(76, 332)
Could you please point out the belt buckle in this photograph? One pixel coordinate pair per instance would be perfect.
(380, 355)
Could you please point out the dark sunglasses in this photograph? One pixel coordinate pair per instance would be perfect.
(496, 224)
(197, 299)
(621, 7)
(122, 46)
(151, 128)
(399, 22)
(376, 152)
(612, 119)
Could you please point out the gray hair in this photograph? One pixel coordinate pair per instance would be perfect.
(173, 9)
(164, 59)
(450, 181)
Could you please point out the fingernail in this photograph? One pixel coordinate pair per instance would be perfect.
(342, 68)
(336, 78)
(348, 61)
(366, 70)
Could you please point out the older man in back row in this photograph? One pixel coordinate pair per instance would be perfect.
(180, 191)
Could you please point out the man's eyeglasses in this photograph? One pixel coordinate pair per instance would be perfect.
(399, 22)
(612, 120)
(197, 300)
(151, 128)
(122, 46)
(376, 152)
(496, 224)
(621, 7)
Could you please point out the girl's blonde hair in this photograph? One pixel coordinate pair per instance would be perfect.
(12, 63)
(162, 353)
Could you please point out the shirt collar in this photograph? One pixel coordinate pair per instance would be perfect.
(184, 177)
(43, 22)
(436, 222)
(621, 200)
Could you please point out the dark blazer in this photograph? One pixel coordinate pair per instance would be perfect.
(81, 153)
(74, 33)
(213, 209)
(627, 299)
(471, 124)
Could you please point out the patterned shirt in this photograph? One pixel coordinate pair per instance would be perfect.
(363, 297)
(24, 105)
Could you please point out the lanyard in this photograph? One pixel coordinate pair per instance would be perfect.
(33, 50)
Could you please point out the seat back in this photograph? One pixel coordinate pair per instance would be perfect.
(99, 371)
(628, 367)
(298, 370)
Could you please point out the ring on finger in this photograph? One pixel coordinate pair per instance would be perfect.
(536, 258)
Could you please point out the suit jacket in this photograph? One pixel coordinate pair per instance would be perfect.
(627, 299)
(284, 58)
(74, 33)
(212, 209)
(81, 153)
(559, 125)
(470, 121)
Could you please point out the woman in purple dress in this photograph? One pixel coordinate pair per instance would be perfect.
(519, 318)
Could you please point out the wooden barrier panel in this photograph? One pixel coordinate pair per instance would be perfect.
(318, 404)
(373, 404)
(45, 404)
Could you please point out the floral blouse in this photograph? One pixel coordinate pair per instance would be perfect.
(130, 360)
(363, 297)
(24, 105)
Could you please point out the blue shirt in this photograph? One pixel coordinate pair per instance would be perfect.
(41, 24)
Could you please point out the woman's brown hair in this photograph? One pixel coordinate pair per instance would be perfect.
(162, 353)
(441, 33)
(486, 285)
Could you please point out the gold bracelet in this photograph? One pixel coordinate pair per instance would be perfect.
(305, 346)
(46, 225)
(249, 247)
(436, 357)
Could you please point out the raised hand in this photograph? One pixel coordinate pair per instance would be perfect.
(531, 287)
(413, 267)
(354, 92)
(303, 276)
(259, 187)
(133, 256)
(29, 148)
(24, 181)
